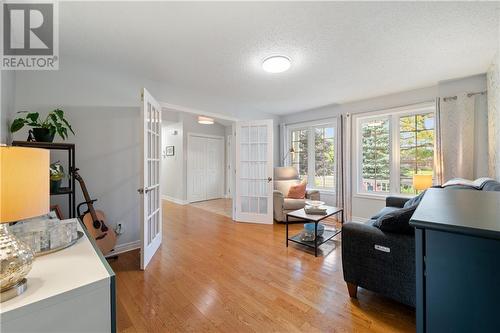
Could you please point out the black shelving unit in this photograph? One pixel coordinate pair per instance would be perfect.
(70, 148)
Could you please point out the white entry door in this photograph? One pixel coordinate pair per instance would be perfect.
(254, 171)
(151, 226)
(205, 167)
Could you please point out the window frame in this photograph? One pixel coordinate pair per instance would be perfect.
(394, 115)
(311, 150)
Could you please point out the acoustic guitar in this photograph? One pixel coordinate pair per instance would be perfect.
(94, 220)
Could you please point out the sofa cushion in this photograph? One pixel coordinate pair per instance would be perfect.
(397, 221)
(286, 173)
(297, 191)
(384, 211)
(293, 204)
(414, 201)
(284, 185)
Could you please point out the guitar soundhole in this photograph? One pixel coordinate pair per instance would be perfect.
(100, 225)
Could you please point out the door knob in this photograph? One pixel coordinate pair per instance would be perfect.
(269, 179)
(143, 190)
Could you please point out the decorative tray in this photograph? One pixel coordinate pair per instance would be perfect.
(42, 253)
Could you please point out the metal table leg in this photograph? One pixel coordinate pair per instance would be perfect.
(315, 239)
(286, 218)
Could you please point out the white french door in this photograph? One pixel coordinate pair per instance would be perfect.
(151, 226)
(254, 171)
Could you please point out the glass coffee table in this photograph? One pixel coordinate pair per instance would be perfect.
(328, 234)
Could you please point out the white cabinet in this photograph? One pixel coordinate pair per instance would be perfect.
(72, 290)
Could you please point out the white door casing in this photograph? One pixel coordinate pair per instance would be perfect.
(151, 224)
(229, 168)
(254, 171)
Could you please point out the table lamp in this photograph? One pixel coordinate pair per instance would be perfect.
(422, 182)
(24, 193)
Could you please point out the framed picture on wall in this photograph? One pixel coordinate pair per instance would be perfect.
(57, 210)
(170, 151)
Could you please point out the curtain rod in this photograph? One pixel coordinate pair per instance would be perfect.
(448, 98)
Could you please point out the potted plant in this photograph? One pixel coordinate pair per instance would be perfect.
(43, 131)
(56, 176)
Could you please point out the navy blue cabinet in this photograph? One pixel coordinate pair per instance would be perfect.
(458, 261)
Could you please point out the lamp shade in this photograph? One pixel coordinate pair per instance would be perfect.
(25, 183)
(422, 182)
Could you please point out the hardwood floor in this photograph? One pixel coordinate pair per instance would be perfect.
(217, 206)
(214, 275)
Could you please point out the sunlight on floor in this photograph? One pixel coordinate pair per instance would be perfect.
(218, 206)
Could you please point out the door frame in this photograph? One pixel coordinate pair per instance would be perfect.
(229, 167)
(190, 135)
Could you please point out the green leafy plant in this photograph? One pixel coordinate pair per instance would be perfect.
(54, 122)
(56, 171)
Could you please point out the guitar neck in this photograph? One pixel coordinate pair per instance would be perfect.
(86, 195)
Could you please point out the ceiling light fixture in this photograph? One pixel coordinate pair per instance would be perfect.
(276, 64)
(205, 120)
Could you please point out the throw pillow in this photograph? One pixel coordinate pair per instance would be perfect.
(397, 221)
(297, 191)
(383, 211)
(414, 201)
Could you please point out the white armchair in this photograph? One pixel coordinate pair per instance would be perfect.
(284, 178)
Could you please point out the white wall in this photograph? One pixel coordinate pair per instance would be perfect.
(173, 166)
(94, 96)
(108, 153)
(363, 207)
(7, 107)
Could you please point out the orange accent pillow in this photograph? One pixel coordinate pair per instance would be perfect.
(297, 191)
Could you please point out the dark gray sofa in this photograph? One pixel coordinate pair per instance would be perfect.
(389, 273)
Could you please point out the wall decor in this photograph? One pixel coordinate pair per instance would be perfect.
(57, 210)
(170, 150)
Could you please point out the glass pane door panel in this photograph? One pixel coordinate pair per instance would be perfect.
(253, 176)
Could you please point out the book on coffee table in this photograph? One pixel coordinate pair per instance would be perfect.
(321, 210)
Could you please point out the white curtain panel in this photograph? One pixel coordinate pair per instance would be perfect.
(493, 83)
(283, 146)
(460, 133)
(343, 174)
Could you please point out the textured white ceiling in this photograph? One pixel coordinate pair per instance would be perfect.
(211, 53)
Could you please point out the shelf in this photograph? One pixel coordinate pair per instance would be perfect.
(327, 235)
(70, 149)
(46, 145)
(63, 190)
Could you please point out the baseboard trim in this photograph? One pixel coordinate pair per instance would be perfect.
(174, 200)
(125, 247)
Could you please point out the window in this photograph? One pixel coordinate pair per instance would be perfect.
(299, 156)
(376, 155)
(324, 159)
(314, 153)
(416, 148)
(392, 147)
